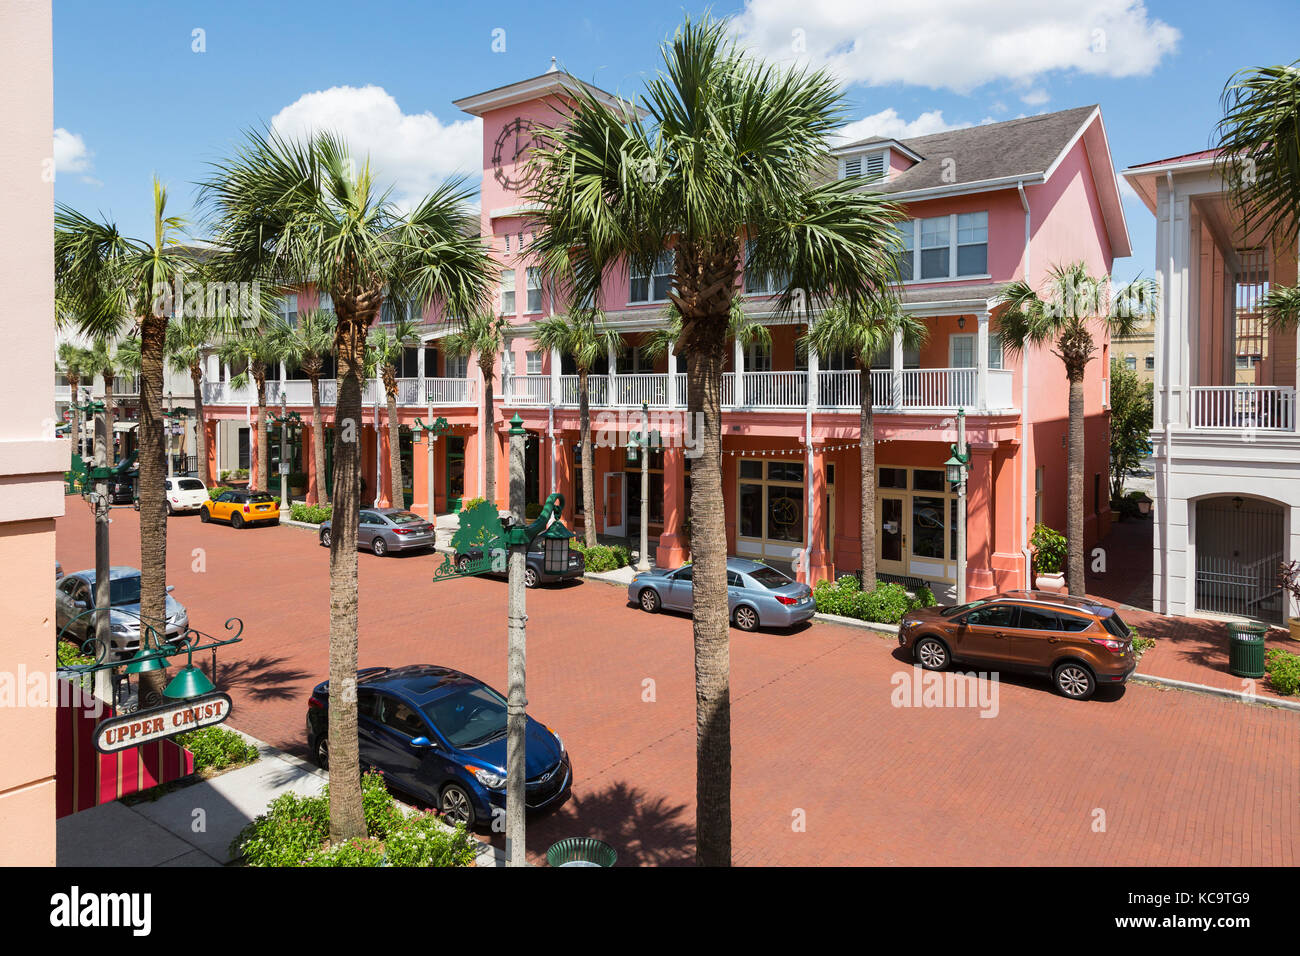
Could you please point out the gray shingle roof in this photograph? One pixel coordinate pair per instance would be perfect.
(1019, 147)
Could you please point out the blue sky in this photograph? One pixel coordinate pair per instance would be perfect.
(134, 98)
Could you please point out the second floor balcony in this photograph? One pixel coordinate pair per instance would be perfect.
(411, 392)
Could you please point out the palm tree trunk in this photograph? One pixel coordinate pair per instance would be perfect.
(867, 463)
(109, 417)
(1074, 490)
(489, 436)
(263, 441)
(318, 443)
(397, 496)
(153, 504)
(588, 466)
(200, 416)
(74, 414)
(711, 620)
(347, 820)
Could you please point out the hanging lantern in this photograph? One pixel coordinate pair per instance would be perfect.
(555, 544)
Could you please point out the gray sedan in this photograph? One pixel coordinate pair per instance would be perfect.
(757, 595)
(388, 529)
(74, 597)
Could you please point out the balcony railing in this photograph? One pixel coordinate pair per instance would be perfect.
(1244, 407)
(411, 392)
(906, 389)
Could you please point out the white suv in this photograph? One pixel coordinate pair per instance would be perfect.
(184, 494)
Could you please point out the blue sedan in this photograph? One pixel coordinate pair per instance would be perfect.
(440, 736)
(757, 595)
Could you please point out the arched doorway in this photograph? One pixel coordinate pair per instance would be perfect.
(1239, 545)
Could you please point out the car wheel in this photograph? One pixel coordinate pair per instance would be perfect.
(531, 578)
(379, 547)
(462, 564)
(456, 806)
(649, 599)
(322, 753)
(236, 520)
(1074, 680)
(931, 653)
(170, 510)
(746, 618)
(204, 515)
(325, 538)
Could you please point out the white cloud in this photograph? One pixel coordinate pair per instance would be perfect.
(887, 123)
(414, 152)
(72, 156)
(956, 44)
(1035, 98)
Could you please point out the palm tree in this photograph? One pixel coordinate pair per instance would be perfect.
(1063, 319)
(255, 349)
(864, 334)
(585, 336)
(189, 341)
(74, 362)
(306, 346)
(113, 282)
(729, 147)
(104, 363)
(482, 334)
(1259, 154)
(303, 212)
(386, 347)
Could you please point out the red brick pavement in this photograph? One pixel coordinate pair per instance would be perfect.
(1181, 778)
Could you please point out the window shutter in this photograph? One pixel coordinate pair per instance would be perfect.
(853, 167)
(875, 165)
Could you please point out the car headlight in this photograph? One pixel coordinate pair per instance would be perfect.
(489, 778)
(122, 629)
(915, 622)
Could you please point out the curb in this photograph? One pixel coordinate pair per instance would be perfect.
(854, 622)
(1238, 695)
(300, 524)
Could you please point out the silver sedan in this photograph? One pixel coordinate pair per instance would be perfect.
(388, 529)
(757, 595)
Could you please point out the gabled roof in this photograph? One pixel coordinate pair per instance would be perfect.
(546, 84)
(1018, 148)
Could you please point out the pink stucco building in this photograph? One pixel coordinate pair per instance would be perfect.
(986, 205)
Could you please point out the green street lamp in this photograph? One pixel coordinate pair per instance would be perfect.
(284, 420)
(189, 682)
(433, 430)
(956, 468)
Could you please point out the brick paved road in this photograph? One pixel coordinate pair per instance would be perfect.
(1181, 778)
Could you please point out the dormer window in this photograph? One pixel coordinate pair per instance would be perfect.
(866, 166)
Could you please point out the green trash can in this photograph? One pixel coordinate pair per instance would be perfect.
(1246, 649)
(581, 851)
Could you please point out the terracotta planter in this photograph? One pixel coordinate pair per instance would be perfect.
(1294, 624)
(1051, 582)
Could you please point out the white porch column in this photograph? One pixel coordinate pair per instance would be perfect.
(613, 370)
(982, 362)
(672, 376)
(814, 369)
(483, 436)
(507, 371)
(555, 384)
(896, 368)
(419, 366)
(738, 386)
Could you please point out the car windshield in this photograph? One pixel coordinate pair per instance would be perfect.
(260, 496)
(468, 716)
(770, 578)
(1115, 624)
(190, 484)
(404, 517)
(962, 608)
(124, 590)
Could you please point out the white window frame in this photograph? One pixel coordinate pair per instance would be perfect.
(533, 362)
(508, 292)
(665, 262)
(772, 284)
(911, 239)
(859, 165)
(995, 349)
(288, 309)
(532, 286)
(456, 366)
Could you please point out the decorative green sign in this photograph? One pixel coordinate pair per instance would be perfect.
(480, 530)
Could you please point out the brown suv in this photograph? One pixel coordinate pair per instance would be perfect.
(1078, 642)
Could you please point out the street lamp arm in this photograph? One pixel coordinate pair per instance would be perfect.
(552, 509)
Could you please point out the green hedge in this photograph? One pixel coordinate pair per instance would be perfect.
(887, 604)
(603, 557)
(217, 748)
(1283, 669)
(217, 490)
(294, 831)
(311, 514)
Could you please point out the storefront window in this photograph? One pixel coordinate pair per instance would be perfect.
(893, 478)
(751, 511)
(771, 501)
(785, 514)
(927, 527)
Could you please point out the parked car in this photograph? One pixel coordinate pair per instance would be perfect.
(241, 507)
(184, 494)
(757, 595)
(388, 529)
(121, 489)
(58, 572)
(535, 572)
(1077, 642)
(440, 736)
(74, 595)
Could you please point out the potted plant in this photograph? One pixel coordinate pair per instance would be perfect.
(1050, 549)
(1289, 577)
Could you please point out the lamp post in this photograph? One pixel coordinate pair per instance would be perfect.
(284, 420)
(174, 415)
(643, 440)
(516, 653)
(432, 430)
(956, 468)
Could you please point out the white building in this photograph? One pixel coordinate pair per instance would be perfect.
(1225, 443)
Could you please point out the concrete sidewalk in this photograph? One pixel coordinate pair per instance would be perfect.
(193, 825)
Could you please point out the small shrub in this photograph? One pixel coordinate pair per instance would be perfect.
(887, 603)
(217, 748)
(469, 504)
(311, 514)
(603, 557)
(359, 852)
(1141, 644)
(289, 833)
(69, 654)
(1283, 669)
(381, 810)
(422, 841)
(1050, 550)
(216, 490)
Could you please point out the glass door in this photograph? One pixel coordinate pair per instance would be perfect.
(892, 534)
(455, 471)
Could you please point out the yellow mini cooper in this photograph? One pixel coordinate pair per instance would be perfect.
(240, 506)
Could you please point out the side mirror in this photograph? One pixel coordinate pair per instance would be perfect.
(421, 742)
(81, 604)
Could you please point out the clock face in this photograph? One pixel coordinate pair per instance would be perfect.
(515, 138)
